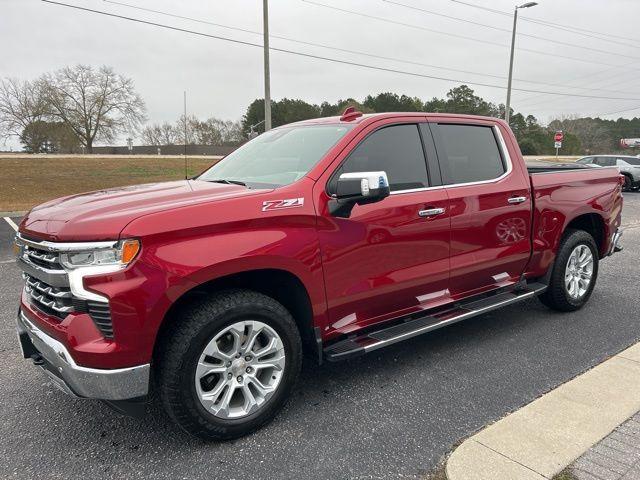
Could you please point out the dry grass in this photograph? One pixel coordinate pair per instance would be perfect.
(27, 180)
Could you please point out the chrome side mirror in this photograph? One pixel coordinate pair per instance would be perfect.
(358, 188)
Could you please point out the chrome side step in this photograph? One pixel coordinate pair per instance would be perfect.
(412, 326)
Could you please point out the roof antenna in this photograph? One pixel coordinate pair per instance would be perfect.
(186, 176)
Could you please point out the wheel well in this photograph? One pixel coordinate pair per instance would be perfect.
(280, 285)
(593, 224)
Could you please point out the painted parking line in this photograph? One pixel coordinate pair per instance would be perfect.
(11, 223)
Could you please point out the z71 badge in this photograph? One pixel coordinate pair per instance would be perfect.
(269, 205)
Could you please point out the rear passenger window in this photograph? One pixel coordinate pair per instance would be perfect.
(606, 161)
(471, 153)
(396, 150)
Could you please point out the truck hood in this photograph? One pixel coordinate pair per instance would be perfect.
(102, 215)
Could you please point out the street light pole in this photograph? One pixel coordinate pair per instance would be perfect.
(513, 46)
(267, 80)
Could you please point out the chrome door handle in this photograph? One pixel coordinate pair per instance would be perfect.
(516, 200)
(431, 212)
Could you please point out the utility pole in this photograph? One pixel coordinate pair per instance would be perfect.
(267, 80)
(507, 110)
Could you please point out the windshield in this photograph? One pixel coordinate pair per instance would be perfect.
(631, 160)
(278, 157)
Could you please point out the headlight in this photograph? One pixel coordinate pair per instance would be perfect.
(120, 255)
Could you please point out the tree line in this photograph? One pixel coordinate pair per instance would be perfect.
(76, 107)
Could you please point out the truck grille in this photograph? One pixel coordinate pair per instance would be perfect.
(47, 286)
(42, 258)
(54, 301)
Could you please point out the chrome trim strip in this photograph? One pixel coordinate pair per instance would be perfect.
(413, 190)
(102, 384)
(55, 278)
(64, 246)
(448, 321)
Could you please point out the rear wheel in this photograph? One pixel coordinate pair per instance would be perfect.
(229, 364)
(574, 272)
(626, 187)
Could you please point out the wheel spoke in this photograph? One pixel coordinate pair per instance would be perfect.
(253, 333)
(212, 350)
(212, 395)
(271, 347)
(203, 369)
(223, 406)
(275, 362)
(250, 402)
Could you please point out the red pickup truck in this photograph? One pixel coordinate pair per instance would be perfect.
(333, 236)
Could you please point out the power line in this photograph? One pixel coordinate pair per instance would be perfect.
(528, 99)
(320, 57)
(355, 52)
(455, 35)
(567, 28)
(537, 37)
(618, 111)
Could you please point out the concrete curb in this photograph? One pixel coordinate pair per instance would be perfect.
(542, 438)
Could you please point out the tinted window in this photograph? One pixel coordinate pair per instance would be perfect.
(606, 161)
(396, 150)
(585, 161)
(631, 160)
(471, 153)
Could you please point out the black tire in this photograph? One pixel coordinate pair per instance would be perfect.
(626, 187)
(557, 296)
(182, 344)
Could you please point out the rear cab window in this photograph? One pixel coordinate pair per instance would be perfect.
(468, 153)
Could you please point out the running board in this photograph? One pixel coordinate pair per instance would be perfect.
(359, 345)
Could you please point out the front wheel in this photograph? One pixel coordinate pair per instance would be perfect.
(627, 186)
(574, 272)
(229, 364)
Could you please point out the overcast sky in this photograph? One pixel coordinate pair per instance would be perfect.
(222, 78)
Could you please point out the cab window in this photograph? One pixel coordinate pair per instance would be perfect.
(396, 150)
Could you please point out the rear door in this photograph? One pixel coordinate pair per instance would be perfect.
(388, 258)
(490, 206)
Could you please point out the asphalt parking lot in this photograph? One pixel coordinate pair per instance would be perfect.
(392, 414)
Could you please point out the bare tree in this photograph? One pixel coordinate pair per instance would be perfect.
(160, 134)
(22, 103)
(97, 105)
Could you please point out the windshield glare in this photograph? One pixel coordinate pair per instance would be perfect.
(278, 157)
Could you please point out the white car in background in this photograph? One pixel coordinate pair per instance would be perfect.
(628, 165)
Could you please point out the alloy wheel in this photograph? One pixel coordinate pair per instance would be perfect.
(579, 270)
(240, 369)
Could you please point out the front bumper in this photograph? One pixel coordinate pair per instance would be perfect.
(76, 380)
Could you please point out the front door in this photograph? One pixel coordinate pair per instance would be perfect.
(392, 257)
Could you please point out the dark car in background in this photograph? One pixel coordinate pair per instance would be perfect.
(628, 165)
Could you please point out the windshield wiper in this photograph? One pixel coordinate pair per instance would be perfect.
(228, 182)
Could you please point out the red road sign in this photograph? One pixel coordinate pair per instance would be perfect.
(559, 136)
